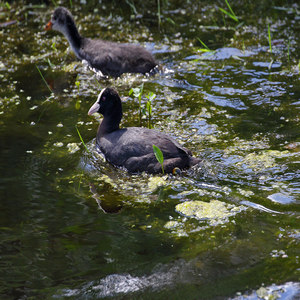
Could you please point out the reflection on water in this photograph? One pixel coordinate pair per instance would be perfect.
(118, 284)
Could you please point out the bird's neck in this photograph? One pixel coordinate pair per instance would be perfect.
(73, 37)
(109, 124)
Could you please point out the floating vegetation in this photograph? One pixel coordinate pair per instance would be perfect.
(214, 212)
(58, 144)
(263, 160)
(155, 182)
(73, 147)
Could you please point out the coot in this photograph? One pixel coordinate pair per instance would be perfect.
(132, 147)
(110, 58)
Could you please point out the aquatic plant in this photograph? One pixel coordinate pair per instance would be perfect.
(158, 13)
(269, 37)
(288, 51)
(205, 49)
(270, 46)
(77, 83)
(230, 14)
(83, 143)
(51, 65)
(159, 156)
(44, 79)
(137, 92)
(132, 6)
(150, 97)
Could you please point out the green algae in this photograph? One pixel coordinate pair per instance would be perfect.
(155, 182)
(262, 160)
(214, 212)
(73, 147)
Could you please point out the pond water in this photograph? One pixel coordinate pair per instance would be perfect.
(75, 227)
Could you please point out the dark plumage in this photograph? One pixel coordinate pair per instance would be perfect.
(110, 58)
(132, 147)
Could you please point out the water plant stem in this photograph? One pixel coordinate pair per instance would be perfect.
(150, 97)
(83, 143)
(158, 13)
(137, 92)
(269, 36)
(44, 79)
(230, 14)
(288, 51)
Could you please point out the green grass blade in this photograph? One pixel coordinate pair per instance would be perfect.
(233, 14)
(203, 44)
(171, 21)
(82, 140)
(44, 79)
(269, 36)
(288, 51)
(228, 14)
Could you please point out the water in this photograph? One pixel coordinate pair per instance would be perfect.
(74, 227)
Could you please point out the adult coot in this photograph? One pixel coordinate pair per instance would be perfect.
(110, 58)
(132, 147)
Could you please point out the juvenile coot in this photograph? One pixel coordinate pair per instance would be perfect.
(110, 58)
(132, 147)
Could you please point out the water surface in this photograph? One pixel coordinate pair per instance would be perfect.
(73, 226)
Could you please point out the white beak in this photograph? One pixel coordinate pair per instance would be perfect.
(94, 108)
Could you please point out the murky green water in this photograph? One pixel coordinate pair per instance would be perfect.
(73, 226)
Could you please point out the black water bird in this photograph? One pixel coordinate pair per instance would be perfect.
(132, 147)
(110, 58)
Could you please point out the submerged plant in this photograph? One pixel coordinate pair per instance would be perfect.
(159, 156)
